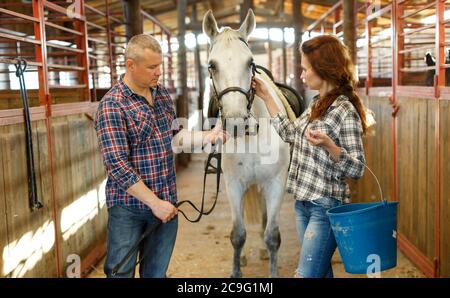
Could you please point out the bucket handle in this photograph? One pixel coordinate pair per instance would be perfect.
(378, 183)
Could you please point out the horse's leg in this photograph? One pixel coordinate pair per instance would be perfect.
(235, 192)
(263, 253)
(273, 192)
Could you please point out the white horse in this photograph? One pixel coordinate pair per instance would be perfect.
(231, 67)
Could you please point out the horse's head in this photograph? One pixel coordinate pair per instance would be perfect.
(231, 65)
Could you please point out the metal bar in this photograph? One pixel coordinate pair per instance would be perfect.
(98, 12)
(19, 15)
(155, 21)
(398, 45)
(95, 26)
(170, 63)
(439, 82)
(14, 61)
(19, 38)
(109, 42)
(418, 10)
(413, 49)
(369, 54)
(324, 16)
(83, 60)
(379, 12)
(298, 24)
(62, 10)
(98, 59)
(116, 20)
(45, 100)
(52, 45)
(431, 26)
(97, 40)
(65, 67)
(417, 69)
(67, 87)
(63, 28)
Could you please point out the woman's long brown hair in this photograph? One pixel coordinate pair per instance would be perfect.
(330, 60)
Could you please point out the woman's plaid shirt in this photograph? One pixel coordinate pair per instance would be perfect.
(312, 173)
(136, 143)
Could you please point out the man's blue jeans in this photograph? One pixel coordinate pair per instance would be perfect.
(316, 237)
(125, 227)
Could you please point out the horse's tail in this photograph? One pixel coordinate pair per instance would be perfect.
(254, 205)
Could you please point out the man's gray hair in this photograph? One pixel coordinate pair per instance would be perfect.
(139, 43)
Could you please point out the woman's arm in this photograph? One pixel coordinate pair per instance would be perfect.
(281, 123)
(349, 158)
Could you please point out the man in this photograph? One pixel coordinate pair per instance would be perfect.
(134, 130)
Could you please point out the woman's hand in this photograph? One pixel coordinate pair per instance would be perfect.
(317, 138)
(260, 89)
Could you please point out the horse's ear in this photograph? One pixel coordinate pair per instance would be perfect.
(248, 25)
(210, 25)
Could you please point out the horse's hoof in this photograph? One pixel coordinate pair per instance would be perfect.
(263, 254)
(243, 259)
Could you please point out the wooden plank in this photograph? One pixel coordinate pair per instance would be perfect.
(405, 167)
(10, 99)
(420, 201)
(63, 175)
(78, 208)
(444, 108)
(100, 180)
(3, 217)
(29, 233)
(429, 222)
(378, 151)
(416, 173)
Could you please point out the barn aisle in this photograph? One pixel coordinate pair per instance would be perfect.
(204, 250)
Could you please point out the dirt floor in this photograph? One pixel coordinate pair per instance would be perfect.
(204, 249)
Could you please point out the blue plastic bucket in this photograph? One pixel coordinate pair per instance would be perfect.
(366, 235)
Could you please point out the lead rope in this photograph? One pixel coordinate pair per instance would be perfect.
(214, 154)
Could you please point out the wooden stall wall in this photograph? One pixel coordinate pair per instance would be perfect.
(28, 239)
(79, 182)
(10, 99)
(444, 120)
(416, 172)
(379, 154)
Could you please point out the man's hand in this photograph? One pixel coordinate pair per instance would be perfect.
(216, 134)
(163, 210)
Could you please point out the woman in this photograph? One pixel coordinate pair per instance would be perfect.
(328, 147)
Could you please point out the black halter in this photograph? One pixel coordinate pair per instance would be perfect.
(249, 94)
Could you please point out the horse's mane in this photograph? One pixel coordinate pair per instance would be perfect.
(226, 35)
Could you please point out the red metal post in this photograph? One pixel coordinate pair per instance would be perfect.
(82, 44)
(440, 81)
(369, 53)
(45, 99)
(398, 46)
(169, 62)
(41, 54)
(109, 40)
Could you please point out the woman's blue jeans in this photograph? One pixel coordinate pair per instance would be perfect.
(125, 227)
(316, 237)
